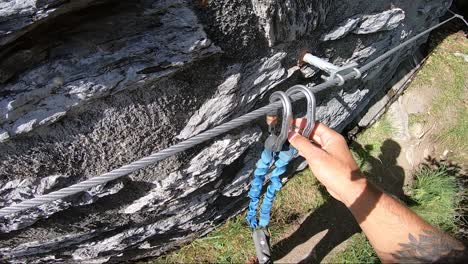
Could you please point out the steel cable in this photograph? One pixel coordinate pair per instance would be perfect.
(195, 140)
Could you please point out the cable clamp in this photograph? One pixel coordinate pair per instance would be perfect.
(358, 73)
(341, 79)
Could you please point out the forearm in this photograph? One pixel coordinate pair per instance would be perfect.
(396, 233)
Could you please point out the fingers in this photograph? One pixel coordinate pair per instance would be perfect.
(306, 149)
(298, 126)
(324, 135)
(326, 138)
(328, 156)
(321, 134)
(333, 143)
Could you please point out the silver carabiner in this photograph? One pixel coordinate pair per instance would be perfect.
(274, 142)
(311, 105)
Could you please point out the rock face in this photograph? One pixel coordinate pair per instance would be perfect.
(87, 86)
(366, 24)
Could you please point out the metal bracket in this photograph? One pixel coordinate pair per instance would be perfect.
(332, 70)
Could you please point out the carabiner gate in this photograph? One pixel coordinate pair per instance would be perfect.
(311, 105)
(275, 142)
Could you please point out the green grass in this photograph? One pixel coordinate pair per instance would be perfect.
(371, 141)
(232, 242)
(435, 193)
(299, 196)
(373, 137)
(456, 135)
(219, 246)
(446, 74)
(417, 119)
(444, 70)
(358, 250)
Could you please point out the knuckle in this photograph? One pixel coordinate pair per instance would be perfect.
(339, 139)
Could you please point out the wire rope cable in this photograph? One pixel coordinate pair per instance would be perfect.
(197, 139)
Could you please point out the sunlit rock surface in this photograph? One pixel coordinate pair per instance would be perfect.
(87, 86)
(367, 24)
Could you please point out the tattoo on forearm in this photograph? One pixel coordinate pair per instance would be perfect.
(432, 246)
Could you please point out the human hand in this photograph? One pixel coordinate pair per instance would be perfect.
(330, 160)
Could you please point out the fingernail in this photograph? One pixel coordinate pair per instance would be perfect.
(292, 135)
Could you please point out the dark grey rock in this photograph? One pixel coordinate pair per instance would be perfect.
(243, 86)
(18, 190)
(283, 21)
(387, 20)
(88, 86)
(4, 135)
(17, 16)
(48, 91)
